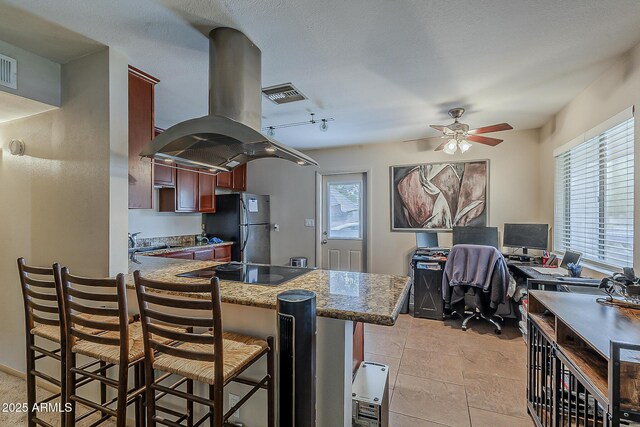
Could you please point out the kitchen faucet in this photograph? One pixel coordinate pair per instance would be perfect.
(133, 238)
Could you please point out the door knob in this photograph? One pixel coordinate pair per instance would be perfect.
(324, 241)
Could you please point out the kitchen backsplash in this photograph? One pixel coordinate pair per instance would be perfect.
(188, 240)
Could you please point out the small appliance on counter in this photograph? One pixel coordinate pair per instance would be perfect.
(370, 396)
(243, 219)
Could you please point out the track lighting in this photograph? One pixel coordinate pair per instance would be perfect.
(324, 124)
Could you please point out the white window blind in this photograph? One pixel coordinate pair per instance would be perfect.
(594, 197)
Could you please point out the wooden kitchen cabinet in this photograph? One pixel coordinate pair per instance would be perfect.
(222, 253)
(234, 180)
(239, 176)
(203, 254)
(141, 110)
(179, 255)
(206, 193)
(184, 197)
(358, 345)
(163, 175)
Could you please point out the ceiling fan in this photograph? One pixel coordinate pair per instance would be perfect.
(458, 135)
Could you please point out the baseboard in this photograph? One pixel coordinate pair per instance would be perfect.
(23, 375)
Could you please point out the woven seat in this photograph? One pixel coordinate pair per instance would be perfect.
(238, 352)
(52, 333)
(111, 353)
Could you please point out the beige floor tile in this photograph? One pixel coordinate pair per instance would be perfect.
(399, 420)
(496, 394)
(436, 341)
(430, 400)
(433, 365)
(383, 344)
(392, 362)
(495, 362)
(481, 418)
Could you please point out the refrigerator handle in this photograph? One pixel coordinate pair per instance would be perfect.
(245, 219)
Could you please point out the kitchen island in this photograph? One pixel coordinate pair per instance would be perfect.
(341, 299)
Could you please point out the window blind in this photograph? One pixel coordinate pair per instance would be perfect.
(594, 197)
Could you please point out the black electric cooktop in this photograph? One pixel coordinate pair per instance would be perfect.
(257, 274)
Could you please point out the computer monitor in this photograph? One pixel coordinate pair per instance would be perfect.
(427, 239)
(487, 236)
(526, 236)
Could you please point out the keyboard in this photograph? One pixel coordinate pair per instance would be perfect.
(578, 280)
(559, 271)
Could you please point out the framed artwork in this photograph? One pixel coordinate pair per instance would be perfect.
(439, 196)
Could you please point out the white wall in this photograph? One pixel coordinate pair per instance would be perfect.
(65, 200)
(617, 89)
(38, 77)
(152, 223)
(514, 192)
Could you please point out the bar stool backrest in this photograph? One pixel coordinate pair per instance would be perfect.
(43, 304)
(166, 315)
(94, 309)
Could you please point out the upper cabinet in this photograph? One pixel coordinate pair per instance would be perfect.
(184, 197)
(141, 126)
(234, 180)
(207, 192)
(163, 175)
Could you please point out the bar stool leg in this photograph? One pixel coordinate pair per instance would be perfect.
(31, 380)
(271, 385)
(103, 386)
(142, 397)
(63, 381)
(71, 389)
(136, 386)
(190, 404)
(121, 411)
(150, 400)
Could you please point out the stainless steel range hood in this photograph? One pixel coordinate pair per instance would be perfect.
(230, 134)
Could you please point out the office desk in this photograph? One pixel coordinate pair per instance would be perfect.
(549, 282)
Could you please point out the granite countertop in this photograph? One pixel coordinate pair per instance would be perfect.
(362, 297)
(193, 247)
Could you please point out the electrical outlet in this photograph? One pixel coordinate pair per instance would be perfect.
(233, 400)
(309, 222)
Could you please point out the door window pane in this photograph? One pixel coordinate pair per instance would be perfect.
(345, 210)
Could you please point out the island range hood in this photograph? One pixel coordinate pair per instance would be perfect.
(230, 134)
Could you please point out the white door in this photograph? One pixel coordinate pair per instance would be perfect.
(344, 222)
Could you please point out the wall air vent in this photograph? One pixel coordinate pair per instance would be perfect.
(8, 72)
(283, 93)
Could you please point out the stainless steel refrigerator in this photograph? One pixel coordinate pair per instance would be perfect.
(245, 220)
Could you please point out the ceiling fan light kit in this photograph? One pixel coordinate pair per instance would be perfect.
(458, 135)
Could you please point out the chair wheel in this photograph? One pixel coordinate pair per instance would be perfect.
(498, 331)
(464, 328)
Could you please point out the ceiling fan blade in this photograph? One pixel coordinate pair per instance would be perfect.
(484, 140)
(429, 138)
(441, 146)
(439, 128)
(493, 128)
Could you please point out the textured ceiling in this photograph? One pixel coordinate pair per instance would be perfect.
(383, 69)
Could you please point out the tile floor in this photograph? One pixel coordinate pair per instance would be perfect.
(440, 375)
(443, 376)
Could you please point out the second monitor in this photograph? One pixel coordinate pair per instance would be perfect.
(526, 236)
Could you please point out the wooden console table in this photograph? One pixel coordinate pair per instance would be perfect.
(583, 361)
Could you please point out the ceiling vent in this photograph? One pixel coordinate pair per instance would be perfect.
(8, 72)
(283, 93)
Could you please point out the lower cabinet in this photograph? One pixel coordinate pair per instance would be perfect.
(213, 253)
(358, 345)
(179, 255)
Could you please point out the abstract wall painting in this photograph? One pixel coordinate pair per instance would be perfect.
(439, 196)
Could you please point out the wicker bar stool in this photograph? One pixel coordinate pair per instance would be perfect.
(98, 326)
(205, 354)
(42, 308)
